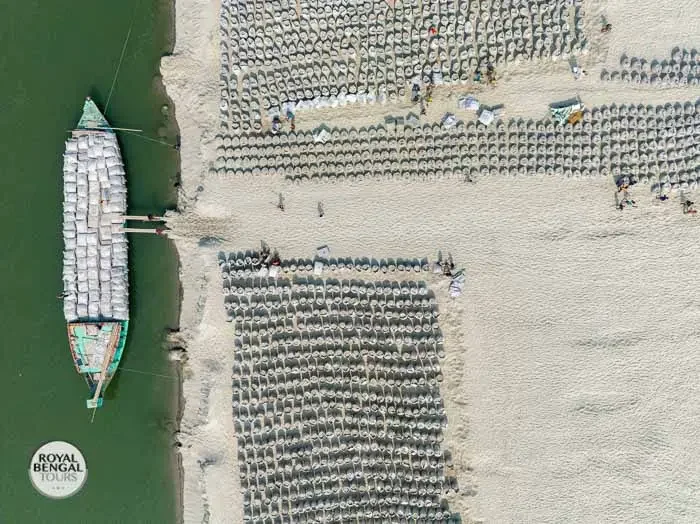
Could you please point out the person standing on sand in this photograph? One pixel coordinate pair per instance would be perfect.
(320, 210)
(280, 203)
(578, 72)
(415, 93)
(276, 124)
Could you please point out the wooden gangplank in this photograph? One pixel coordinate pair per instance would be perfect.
(157, 231)
(143, 218)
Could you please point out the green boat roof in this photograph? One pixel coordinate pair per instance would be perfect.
(92, 118)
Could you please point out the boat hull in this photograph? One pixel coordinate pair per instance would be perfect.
(95, 266)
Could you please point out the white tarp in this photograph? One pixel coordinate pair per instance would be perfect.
(449, 121)
(457, 284)
(468, 102)
(486, 117)
(562, 114)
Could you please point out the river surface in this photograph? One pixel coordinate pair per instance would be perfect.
(53, 55)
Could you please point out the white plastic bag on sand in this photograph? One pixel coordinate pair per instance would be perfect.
(457, 284)
(486, 117)
(468, 102)
(449, 121)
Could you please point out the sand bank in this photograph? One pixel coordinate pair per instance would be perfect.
(569, 376)
(565, 334)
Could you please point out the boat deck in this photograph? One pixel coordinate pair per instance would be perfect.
(92, 342)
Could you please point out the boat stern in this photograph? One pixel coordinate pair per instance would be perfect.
(97, 348)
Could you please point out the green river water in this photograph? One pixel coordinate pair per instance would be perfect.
(53, 54)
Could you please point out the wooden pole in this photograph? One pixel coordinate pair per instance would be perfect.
(95, 129)
(105, 364)
(143, 218)
(122, 129)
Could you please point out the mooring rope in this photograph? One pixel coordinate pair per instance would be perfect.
(121, 58)
(162, 142)
(215, 385)
(172, 377)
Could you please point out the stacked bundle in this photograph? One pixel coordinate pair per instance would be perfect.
(336, 400)
(248, 264)
(683, 69)
(646, 142)
(95, 274)
(343, 52)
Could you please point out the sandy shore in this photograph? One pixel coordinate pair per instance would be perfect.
(570, 371)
